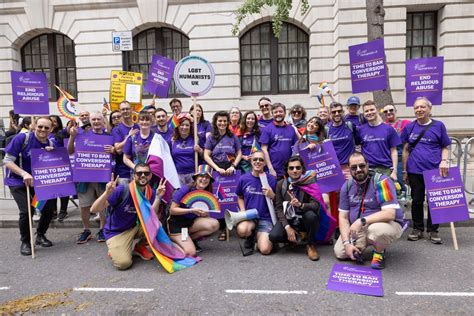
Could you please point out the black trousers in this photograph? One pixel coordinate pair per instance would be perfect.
(309, 224)
(417, 185)
(19, 195)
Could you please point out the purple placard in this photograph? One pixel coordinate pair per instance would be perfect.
(424, 78)
(160, 74)
(368, 70)
(224, 189)
(355, 279)
(324, 160)
(30, 93)
(91, 163)
(52, 174)
(446, 197)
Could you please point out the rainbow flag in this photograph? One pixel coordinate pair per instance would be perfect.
(37, 204)
(325, 87)
(139, 108)
(255, 146)
(167, 254)
(66, 104)
(321, 99)
(383, 191)
(174, 122)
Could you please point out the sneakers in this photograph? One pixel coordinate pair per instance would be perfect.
(62, 215)
(100, 236)
(312, 253)
(415, 235)
(84, 237)
(142, 251)
(378, 260)
(435, 239)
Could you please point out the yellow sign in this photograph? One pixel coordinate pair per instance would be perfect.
(125, 85)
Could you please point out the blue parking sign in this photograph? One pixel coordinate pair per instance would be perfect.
(117, 40)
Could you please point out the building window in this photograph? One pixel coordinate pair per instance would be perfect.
(54, 55)
(161, 41)
(421, 35)
(272, 65)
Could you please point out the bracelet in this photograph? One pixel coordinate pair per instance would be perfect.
(345, 242)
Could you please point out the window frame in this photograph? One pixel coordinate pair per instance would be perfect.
(434, 46)
(52, 61)
(274, 58)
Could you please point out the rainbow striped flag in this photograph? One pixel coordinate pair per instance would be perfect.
(139, 108)
(167, 254)
(321, 99)
(325, 87)
(255, 146)
(37, 204)
(383, 191)
(174, 122)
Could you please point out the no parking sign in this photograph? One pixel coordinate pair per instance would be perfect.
(194, 76)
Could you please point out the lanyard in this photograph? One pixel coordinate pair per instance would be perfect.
(364, 191)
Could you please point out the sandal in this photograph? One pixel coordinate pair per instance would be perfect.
(222, 236)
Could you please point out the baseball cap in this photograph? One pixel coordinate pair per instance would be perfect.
(353, 100)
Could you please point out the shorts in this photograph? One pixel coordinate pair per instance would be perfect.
(94, 190)
(176, 223)
(264, 226)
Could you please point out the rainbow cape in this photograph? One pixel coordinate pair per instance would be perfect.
(174, 122)
(66, 104)
(383, 191)
(167, 254)
(38, 204)
(327, 223)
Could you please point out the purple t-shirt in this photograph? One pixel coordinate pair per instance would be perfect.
(119, 133)
(279, 140)
(376, 142)
(249, 188)
(263, 122)
(166, 135)
(123, 214)
(427, 153)
(350, 201)
(178, 196)
(246, 143)
(137, 147)
(343, 141)
(224, 149)
(182, 152)
(22, 152)
(204, 127)
(356, 120)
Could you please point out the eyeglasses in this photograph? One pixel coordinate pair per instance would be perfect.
(143, 173)
(264, 106)
(296, 112)
(295, 168)
(117, 117)
(46, 128)
(258, 159)
(337, 112)
(361, 166)
(389, 110)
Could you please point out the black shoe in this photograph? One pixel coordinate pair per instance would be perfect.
(42, 241)
(62, 215)
(196, 245)
(25, 248)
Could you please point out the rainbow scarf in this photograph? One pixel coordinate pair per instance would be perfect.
(383, 191)
(167, 254)
(327, 223)
(38, 204)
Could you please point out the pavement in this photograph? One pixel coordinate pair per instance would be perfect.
(420, 279)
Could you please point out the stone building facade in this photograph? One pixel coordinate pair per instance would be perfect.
(247, 66)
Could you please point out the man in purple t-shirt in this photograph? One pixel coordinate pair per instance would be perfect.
(378, 141)
(121, 224)
(369, 214)
(162, 126)
(425, 147)
(277, 139)
(353, 115)
(252, 195)
(18, 175)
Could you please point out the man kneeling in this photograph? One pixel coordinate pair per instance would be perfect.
(121, 226)
(369, 214)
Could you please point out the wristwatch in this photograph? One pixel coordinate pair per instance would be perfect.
(363, 221)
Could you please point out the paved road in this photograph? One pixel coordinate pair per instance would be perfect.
(411, 267)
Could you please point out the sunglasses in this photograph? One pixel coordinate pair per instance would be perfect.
(361, 166)
(46, 128)
(389, 110)
(258, 159)
(296, 112)
(264, 106)
(295, 168)
(337, 112)
(118, 117)
(143, 173)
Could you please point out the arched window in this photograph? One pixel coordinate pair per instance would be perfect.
(162, 41)
(274, 65)
(54, 55)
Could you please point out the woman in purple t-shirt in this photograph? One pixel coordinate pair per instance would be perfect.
(250, 133)
(183, 147)
(313, 135)
(136, 147)
(204, 126)
(186, 225)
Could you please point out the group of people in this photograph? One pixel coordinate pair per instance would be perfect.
(376, 155)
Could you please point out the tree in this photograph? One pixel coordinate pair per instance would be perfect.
(375, 27)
